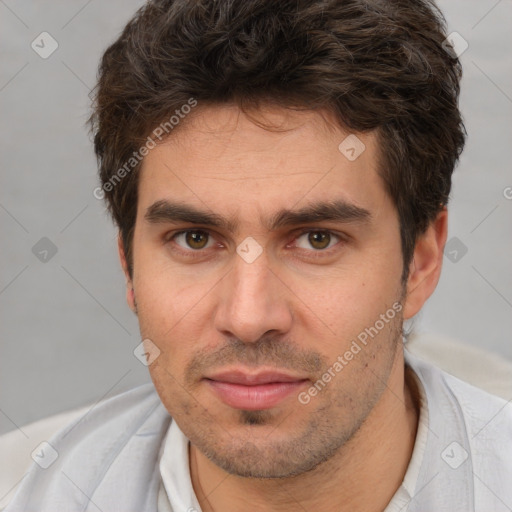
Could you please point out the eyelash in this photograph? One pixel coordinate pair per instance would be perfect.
(312, 253)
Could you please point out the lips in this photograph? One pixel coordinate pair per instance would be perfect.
(254, 391)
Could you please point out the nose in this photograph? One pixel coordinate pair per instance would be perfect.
(252, 302)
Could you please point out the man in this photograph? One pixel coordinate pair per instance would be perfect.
(279, 173)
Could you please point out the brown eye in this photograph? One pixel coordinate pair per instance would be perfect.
(319, 239)
(196, 239)
(192, 239)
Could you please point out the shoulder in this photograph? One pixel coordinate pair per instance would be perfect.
(478, 426)
(479, 408)
(134, 412)
(488, 422)
(115, 442)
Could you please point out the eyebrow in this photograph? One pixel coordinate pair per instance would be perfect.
(164, 211)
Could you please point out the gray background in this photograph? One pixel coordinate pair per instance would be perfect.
(67, 336)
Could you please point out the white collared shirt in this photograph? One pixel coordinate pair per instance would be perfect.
(435, 463)
(127, 455)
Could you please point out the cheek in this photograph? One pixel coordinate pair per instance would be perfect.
(163, 293)
(349, 301)
(173, 314)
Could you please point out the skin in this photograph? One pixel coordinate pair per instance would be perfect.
(296, 308)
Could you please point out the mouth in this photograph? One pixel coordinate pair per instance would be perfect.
(254, 391)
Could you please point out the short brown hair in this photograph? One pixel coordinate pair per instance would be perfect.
(374, 64)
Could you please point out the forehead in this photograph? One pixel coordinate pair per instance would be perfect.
(225, 160)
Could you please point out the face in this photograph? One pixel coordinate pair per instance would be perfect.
(267, 272)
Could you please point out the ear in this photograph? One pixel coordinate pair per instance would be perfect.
(425, 267)
(130, 293)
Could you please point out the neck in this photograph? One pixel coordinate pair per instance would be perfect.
(375, 458)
